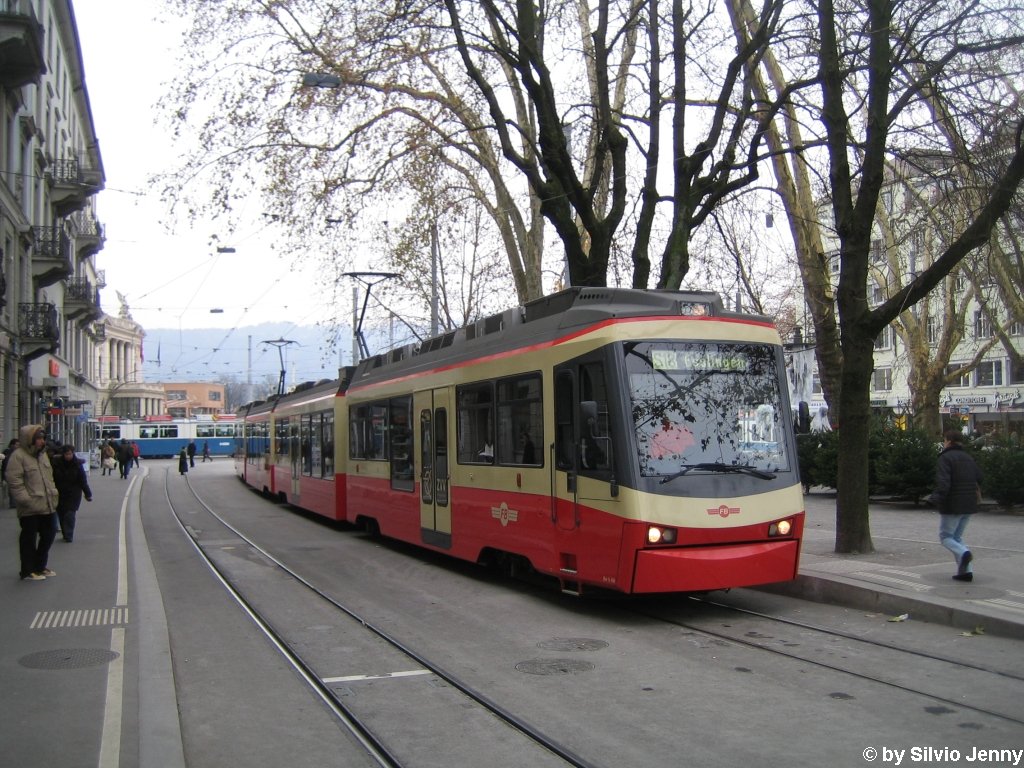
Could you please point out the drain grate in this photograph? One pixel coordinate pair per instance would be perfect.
(571, 644)
(553, 666)
(68, 658)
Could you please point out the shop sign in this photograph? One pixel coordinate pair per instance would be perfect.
(972, 399)
(1007, 400)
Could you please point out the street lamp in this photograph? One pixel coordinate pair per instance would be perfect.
(320, 80)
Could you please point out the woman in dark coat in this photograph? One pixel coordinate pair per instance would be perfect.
(183, 462)
(72, 483)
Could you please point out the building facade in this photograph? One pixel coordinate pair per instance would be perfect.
(122, 389)
(188, 399)
(50, 173)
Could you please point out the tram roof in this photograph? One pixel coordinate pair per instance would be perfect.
(541, 319)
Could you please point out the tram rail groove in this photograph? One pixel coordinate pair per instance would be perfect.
(751, 643)
(856, 638)
(375, 746)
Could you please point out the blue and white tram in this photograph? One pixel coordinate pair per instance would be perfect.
(160, 436)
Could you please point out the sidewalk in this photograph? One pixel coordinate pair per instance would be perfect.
(911, 573)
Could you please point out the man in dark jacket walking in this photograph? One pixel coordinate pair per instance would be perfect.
(956, 495)
(72, 483)
(125, 457)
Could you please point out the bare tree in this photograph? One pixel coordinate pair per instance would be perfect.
(688, 89)
(877, 66)
(397, 114)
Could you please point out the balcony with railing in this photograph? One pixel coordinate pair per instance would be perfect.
(82, 300)
(72, 181)
(38, 329)
(22, 58)
(51, 256)
(88, 234)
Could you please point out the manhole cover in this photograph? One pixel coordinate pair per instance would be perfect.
(572, 644)
(554, 666)
(68, 658)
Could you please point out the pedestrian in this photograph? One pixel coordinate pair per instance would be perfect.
(11, 448)
(957, 493)
(30, 477)
(135, 453)
(191, 453)
(183, 461)
(108, 458)
(72, 483)
(206, 451)
(125, 456)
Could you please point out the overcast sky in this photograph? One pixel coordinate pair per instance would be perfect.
(171, 279)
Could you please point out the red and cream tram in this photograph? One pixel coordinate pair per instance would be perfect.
(638, 441)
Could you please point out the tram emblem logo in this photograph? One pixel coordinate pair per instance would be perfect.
(504, 515)
(724, 511)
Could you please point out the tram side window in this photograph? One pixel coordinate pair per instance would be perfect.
(596, 440)
(400, 412)
(293, 445)
(565, 421)
(367, 424)
(281, 440)
(169, 430)
(148, 433)
(520, 421)
(476, 423)
(258, 441)
(327, 442)
(317, 441)
(308, 435)
(205, 431)
(356, 432)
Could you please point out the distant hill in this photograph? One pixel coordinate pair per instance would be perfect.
(217, 354)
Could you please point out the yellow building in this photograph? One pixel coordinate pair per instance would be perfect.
(189, 398)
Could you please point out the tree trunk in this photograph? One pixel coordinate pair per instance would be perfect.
(925, 403)
(853, 527)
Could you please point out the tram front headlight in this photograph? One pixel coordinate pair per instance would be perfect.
(780, 528)
(657, 534)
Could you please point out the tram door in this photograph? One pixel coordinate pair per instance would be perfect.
(583, 457)
(432, 408)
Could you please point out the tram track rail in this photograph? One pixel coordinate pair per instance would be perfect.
(752, 642)
(375, 745)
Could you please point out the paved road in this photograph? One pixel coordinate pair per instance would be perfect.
(93, 643)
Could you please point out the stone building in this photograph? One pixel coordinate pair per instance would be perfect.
(50, 173)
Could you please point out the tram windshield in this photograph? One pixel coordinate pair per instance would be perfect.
(706, 407)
